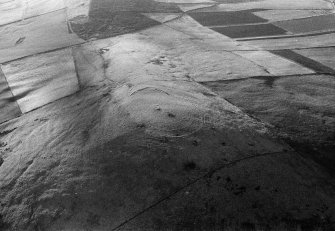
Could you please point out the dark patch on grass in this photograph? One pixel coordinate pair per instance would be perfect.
(305, 61)
(2, 144)
(226, 18)
(248, 226)
(105, 65)
(322, 154)
(142, 125)
(208, 94)
(85, 135)
(195, 143)
(105, 94)
(240, 190)
(309, 224)
(164, 139)
(245, 31)
(268, 80)
(251, 144)
(1, 161)
(189, 165)
(93, 219)
(210, 173)
(171, 115)
(20, 40)
(158, 108)
(157, 61)
(3, 225)
(172, 65)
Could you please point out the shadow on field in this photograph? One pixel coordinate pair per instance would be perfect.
(109, 18)
(9, 109)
